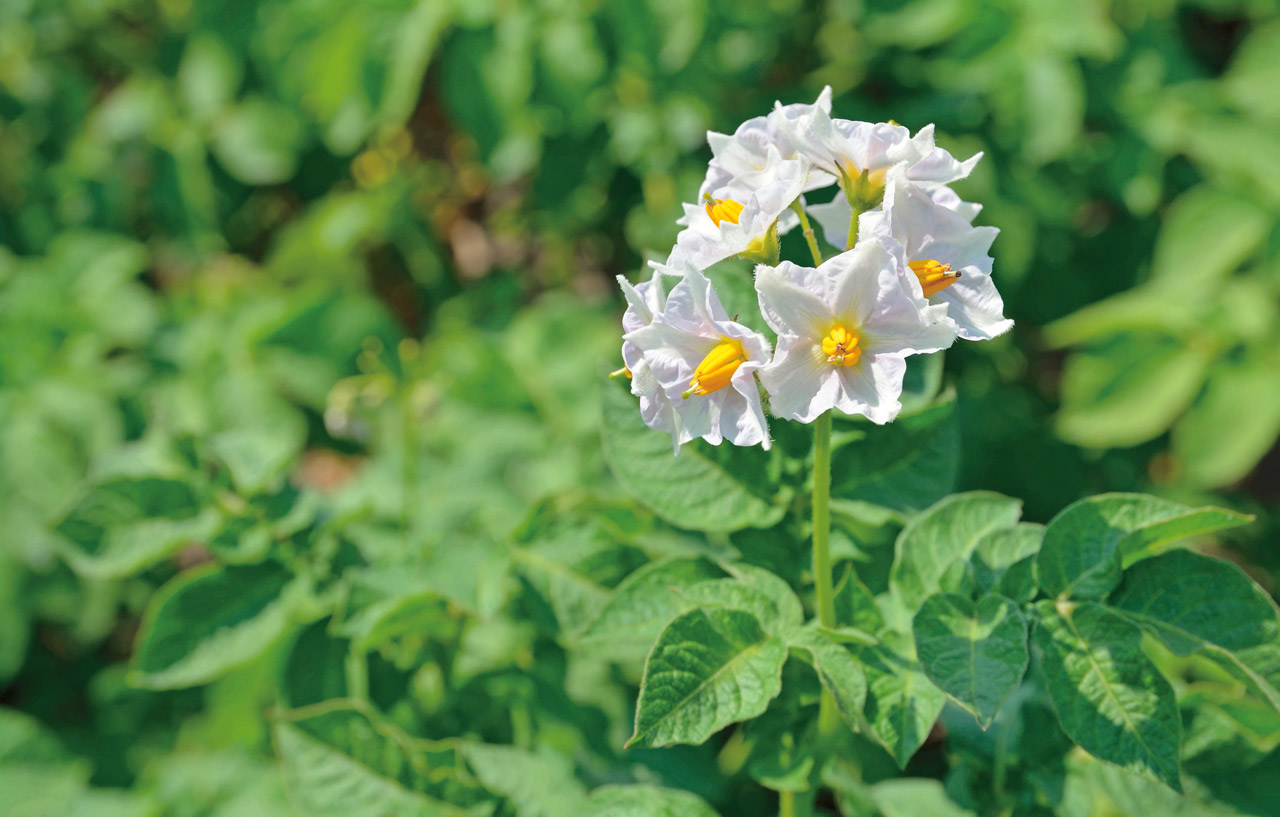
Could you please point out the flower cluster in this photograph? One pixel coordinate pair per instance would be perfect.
(912, 274)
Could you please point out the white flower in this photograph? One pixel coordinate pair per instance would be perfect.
(739, 221)
(704, 366)
(644, 300)
(859, 155)
(844, 330)
(947, 257)
(741, 160)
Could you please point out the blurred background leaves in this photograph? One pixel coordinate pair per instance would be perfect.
(294, 254)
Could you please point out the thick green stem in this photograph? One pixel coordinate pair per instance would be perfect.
(822, 519)
(808, 232)
(786, 804)
(828, 716)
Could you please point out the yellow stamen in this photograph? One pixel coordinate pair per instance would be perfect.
(934, 276)
(841, 346)
(623, 372)
(717, 368)
(722, 209)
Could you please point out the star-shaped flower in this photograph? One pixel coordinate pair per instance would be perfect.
(844, 330)
(704, 365)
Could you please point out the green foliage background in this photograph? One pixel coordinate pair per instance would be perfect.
(305, 311)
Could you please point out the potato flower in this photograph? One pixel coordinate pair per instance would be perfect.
(644, 300)
(704, 366)
(737, 221)
(844, 330)
(741, 160)
(947, 257)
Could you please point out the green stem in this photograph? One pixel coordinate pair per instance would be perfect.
(853, 229)
(786, 804)
(808, 232)
(828, 716)
(822, 519)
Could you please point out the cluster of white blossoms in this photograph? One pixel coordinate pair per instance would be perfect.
(911, 275)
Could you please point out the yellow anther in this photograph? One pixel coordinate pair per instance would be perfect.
(934, 276)
(722, 209)
(623, 372)
(841, 346)
(717, 368)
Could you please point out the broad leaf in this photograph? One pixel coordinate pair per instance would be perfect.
(123, 525)
(710, 668)
(690, 490)
(914, 797)
(642, 605)
(935, 546)
(837, 670)
(1086, 545)
(976, 652)
(856, 606)
(1197, 603)
(906, 465)
(1130, 388)
(343, 763)
(538, 785)
(902, 703)
(1215, 442)
(752, 590)
(1004, 561)
(1108, 695)
(645, 801)
(207, 621)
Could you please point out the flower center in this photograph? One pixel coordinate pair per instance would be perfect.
(717, 368)
(722, 209)
(934, 276)
(841, 346)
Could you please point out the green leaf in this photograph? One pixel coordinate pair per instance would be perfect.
(1108, 695)
(258, 142)
(1086, 545)
(538, 785)
(642, 605)
(123, 525)
(258, 457)
(902, 703)
(934, 548)
(1004, 561)
(645, 801)
(1130, 388)
(709, 668)
(914, 797)
(976, 652)
(856, 606)
(344, 763)
(752, 590)
(690, 490)
(1217, 442)
(209, 620)
(1195, 603)
(1206, 234)
(906, 465)
(837, 670)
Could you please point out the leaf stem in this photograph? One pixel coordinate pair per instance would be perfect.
(786, 804)
(808, 232)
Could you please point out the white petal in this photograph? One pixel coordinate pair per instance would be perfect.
(872, 387)
(800, 382)
(791, 299)
(975, 305)
(867, 283)
(742, 417)
(833, 217)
